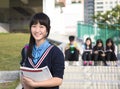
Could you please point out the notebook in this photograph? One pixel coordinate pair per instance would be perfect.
(37, 74)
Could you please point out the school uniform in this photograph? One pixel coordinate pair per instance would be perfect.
(87, 55)
(51, 57)
(110, 55)
(98, 57)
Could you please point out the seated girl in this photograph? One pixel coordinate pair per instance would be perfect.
(110, 50)
(87, 52)
(98, 52)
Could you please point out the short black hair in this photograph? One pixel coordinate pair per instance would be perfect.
(71, 38)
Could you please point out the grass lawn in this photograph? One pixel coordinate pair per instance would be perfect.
(10, 85)
(10, 54)
(10, 49)
(11, 45)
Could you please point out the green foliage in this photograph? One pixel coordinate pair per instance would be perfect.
(111, 18)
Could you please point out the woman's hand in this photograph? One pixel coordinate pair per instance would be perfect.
(110, 50)
(28, 83)
(103, 54)
(91, 52)
(96, 52)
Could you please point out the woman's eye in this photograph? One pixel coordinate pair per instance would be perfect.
(41, 26)
(33, 26)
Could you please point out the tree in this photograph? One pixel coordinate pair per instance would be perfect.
(111, 18)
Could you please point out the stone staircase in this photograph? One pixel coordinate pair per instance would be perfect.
(91, 77)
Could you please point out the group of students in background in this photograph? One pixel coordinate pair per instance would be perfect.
(91, 55)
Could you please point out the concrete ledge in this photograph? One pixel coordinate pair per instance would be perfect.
(4, 28)
(8, 76)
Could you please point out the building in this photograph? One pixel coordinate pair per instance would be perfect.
(92, 7)
(64, 14)
(64, 17)
(104, 5)
(15, 14)
(88, 10)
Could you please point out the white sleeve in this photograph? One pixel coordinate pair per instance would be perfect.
(116, 50)
(82, 48)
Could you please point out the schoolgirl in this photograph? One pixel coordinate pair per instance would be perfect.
(87, 52)
(98, 52)
(40, 53)
(110, 50)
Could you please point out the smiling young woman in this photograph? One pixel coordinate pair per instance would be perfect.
(40, 53)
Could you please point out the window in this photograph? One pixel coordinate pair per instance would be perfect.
(106, 2)
(99, 2)
(60, 3)
(111, 2)
(99, 7)
(76, 1)
(99, 11)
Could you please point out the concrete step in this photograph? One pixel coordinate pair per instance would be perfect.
(93, 69)
(90, 85)
(91, 77)
(8, 76)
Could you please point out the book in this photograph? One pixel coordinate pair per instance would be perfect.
(103, 51)
(87, 50)
(37, 74)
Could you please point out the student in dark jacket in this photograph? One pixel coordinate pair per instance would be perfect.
(110, 50)
(41, 53)
(87, 52)
(71, 50)
(98, 52)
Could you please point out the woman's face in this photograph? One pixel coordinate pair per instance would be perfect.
(88, 42)
(38, 31)
(109, 44)
(99, 44)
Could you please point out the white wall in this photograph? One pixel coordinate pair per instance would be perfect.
(66, 22)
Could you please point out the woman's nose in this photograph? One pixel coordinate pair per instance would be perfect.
(37, 29)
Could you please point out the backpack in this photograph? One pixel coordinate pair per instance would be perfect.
(24, 55)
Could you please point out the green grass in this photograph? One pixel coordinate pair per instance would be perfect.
(10, 49)
(10, 85)
(10, 54)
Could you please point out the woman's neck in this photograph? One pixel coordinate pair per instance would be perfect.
(39, 42)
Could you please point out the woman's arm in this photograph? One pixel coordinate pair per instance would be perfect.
(55, 81)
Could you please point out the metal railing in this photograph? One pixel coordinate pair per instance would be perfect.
(91, 30)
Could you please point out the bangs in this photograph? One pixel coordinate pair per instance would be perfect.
(36, 21)
(42, 19)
